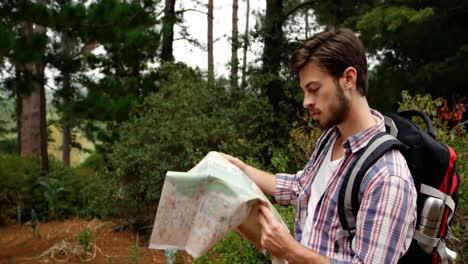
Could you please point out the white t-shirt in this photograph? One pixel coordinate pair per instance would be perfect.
(317, 189)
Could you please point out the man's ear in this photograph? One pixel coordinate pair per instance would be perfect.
(349, 78)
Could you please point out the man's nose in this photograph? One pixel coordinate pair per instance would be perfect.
(308, 101)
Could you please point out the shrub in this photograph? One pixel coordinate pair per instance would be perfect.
(16, 186)
(174, 128)
(8, 145)
(171, 130)
(63, 193)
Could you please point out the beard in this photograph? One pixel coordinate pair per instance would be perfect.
(337, 110)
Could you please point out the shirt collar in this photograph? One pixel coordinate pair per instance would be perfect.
(359, 140)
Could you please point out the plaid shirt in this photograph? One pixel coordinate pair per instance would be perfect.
(387, 215)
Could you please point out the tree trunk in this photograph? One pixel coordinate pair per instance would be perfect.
(234, 48)
(67, 95)
(19, 108)
(30, 132)
(33, 113)
(306, 20)
(246, 45)
(43, 114)
(66, 145)
(210, 44)
(66, 142)
(273, 49)
(168, 31)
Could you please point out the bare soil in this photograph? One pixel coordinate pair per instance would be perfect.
(57, 242)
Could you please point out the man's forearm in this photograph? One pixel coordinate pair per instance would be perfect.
(266, 181)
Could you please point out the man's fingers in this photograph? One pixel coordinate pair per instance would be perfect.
(266, 213)
(235, 161)
(263, 222)
(226, 156)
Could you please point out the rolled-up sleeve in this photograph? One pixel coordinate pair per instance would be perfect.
(287, 188)
(385, 222)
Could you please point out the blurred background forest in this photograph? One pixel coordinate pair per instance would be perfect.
(95, 107)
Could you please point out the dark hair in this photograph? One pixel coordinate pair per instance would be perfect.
(334, 51)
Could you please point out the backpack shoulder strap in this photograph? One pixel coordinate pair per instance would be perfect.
(323, 140)
(348, 203)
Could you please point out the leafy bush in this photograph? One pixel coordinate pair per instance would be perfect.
(16, 187)
(174, 128)
(85, 239)
(63, 193)
(302, 138)
(8, 145)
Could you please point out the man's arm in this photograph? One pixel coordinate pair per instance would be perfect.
(385, 219)
(266, 181)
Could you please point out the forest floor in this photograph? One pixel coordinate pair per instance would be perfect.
(63, 242)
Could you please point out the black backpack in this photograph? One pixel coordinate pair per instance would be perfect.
(432, 166)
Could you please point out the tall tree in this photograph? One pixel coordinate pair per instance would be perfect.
(33, 130)
(246, 45)
(127, 32)
(210, 43)
(168, 30)
(67, 90)
(66, 53)
(234, 48)
(273, 48)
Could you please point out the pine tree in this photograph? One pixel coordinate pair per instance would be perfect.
(169, 21)
(234, 48)
(210, 43)
(246, 46)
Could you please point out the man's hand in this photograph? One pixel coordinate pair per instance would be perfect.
(277, 240)
(275, 237)
(266, 181)
(237, 162)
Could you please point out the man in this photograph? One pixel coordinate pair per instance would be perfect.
(332, 71)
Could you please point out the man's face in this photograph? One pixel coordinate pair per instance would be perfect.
(323, 96)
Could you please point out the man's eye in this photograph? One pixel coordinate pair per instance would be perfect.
(314, 89)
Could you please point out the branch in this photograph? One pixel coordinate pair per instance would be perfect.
(463, 123)
(192, 41)
(302, 5)
(194, 10)
(52, 88)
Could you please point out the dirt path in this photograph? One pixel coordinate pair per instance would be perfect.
(58, 243)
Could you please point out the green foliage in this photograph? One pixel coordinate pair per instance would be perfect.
(391, 18)
(85, 239)
(425, 103)
(417, 44)
(8, 145)
(16, 187)
(174, 128)
(63, 193)
(234, 249)
(302, 138)
(51, 193)
(134, 256)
